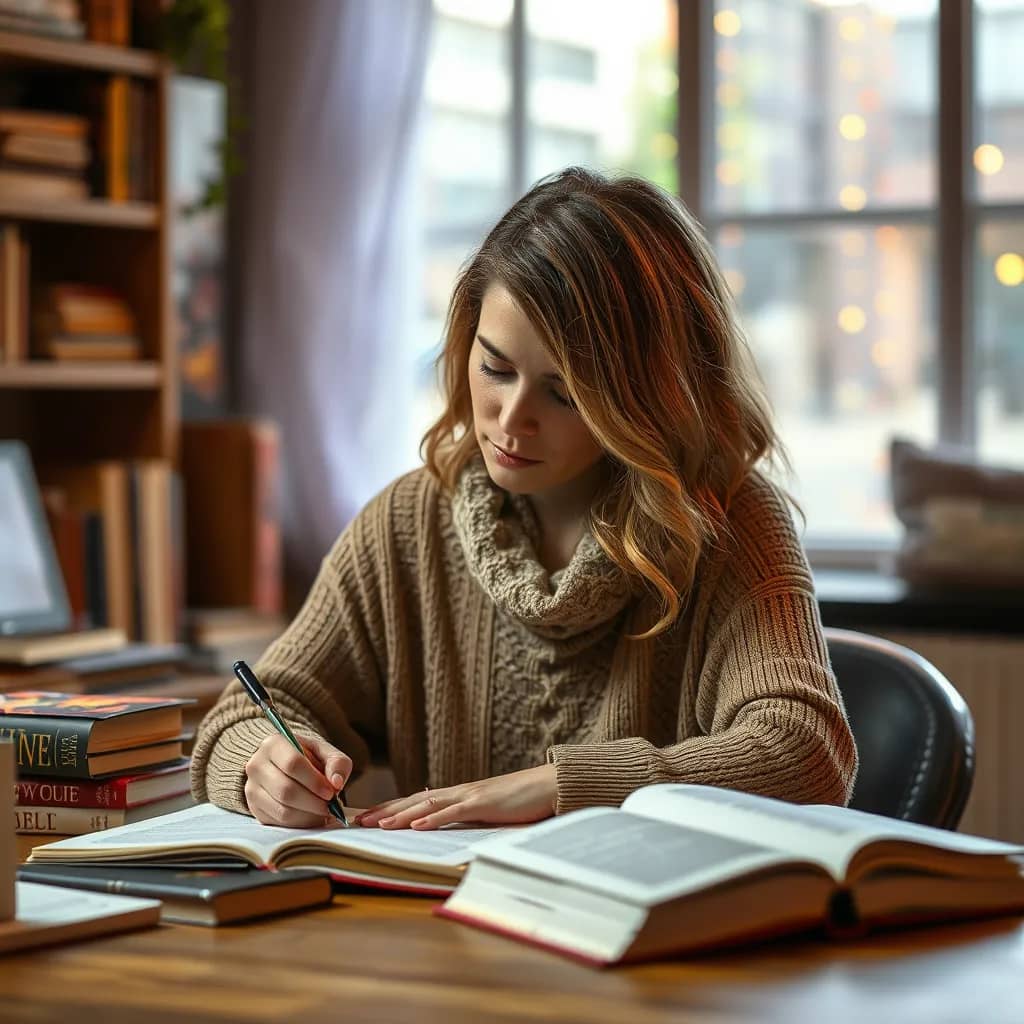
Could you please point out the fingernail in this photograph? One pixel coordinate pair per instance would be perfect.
(338, 780)
(386, 821)
(357, 820)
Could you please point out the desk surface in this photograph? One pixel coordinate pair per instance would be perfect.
(385, 958)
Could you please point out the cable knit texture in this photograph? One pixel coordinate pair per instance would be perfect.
(434, 638)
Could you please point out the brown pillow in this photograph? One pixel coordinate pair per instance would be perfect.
(963, 520)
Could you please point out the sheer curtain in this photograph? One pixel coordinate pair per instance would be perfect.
(330, 94)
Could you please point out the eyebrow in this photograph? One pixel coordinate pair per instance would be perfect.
(498, 354)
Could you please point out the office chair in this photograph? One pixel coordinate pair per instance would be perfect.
(914, 732)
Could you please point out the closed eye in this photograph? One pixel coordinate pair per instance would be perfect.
(490, 371)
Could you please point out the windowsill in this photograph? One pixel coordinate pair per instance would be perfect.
(858, 599)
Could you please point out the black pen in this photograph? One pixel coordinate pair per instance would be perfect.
(254, 688)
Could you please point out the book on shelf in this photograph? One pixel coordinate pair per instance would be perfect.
(14, 293)
(44, 819)
(406, 861)
(72, 308)
(92, 348)
(221, 636)
(87, 735)
(49, 914)
(39, 648)
(102, 488)
(119, 793)
(58, 151)
(230, 469)
(196, 896)
(681, 868)
(14, 120)
(40, 23)
(42, 186)
(67, 527)
(108, 21)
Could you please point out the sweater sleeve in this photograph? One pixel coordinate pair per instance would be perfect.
(325, 673)
(769, 716)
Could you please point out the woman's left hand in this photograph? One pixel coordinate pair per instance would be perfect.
(516, 798)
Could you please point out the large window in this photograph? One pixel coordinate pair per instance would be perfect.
(870, 222)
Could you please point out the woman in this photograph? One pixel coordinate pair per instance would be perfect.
(589, 587)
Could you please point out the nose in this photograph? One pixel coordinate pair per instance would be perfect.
(517, 418)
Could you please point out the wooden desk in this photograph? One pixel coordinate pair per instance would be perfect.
(384, 958)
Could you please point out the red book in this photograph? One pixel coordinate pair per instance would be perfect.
(121, 792)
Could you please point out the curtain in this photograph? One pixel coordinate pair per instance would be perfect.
(321, 231)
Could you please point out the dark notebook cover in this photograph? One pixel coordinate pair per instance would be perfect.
(195, 896)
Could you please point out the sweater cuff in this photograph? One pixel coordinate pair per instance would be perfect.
(223, 780)
(599, 774)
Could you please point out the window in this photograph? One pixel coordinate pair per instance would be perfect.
(871, 225)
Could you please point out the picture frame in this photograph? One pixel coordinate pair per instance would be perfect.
(33, 598)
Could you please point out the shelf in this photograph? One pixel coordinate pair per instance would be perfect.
(98, 212)
(35, 376)
(29, 49)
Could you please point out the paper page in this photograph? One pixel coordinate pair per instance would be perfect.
(50, 904)
(449, 846)
(634, 857)
(829, 835)
(206, 827)
(203, 827)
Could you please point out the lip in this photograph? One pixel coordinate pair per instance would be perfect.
(511, 461)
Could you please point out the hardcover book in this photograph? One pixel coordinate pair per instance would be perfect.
(193, 895)
(76, 821)
(120, 792)
(424, 862)
(681, 868)
(84, 735)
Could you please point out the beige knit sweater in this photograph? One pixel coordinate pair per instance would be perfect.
(434, 639)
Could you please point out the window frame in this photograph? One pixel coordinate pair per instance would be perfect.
(956, 216)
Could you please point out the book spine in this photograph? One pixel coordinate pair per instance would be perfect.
(65, 821)
(49, 747)
(96, 795)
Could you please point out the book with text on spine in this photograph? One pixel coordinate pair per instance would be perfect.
(84, 735)
(76, 821)
(120, 792)
(683, 868)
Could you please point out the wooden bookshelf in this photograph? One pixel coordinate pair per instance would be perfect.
(120, 410)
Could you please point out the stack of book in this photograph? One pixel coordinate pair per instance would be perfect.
(43, 155)
(93, 761)
(219, 637)
(61, 18)
(73, 321)
(14, 263)
(119, 536)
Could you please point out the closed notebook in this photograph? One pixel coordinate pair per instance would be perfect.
(193, 896)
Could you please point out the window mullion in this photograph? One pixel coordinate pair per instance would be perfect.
(955, 271)
(519, 141)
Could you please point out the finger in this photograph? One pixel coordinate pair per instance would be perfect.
(296, 766)
(268, 810)
(402, 819)
(373, 815)
(449, 815)
(334, 763)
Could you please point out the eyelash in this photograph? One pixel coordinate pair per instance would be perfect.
(490, 371)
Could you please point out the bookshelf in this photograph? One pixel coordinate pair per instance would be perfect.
(91, 410)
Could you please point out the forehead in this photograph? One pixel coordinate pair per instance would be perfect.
(506, 326)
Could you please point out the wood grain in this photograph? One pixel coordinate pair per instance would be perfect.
(386, 958)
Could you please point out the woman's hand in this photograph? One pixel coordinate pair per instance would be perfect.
(283, 788)
(517, 798)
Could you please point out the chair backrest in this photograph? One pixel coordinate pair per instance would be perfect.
(914, 732)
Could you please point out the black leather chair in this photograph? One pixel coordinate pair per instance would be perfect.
(914, 732)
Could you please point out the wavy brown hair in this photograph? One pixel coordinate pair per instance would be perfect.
(623, 289)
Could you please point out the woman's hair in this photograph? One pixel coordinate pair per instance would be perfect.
(625, 293)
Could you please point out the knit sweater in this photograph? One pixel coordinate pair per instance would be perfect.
(434, 638)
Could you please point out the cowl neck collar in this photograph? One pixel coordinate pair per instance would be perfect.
(500, 534)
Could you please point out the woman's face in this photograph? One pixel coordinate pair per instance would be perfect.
(532, 439)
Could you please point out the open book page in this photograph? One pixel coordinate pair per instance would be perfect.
(206, 829)
(632, 857)
(831, 836)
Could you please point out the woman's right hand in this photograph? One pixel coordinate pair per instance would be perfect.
(283, 788)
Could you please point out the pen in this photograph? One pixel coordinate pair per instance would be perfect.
(254, 688)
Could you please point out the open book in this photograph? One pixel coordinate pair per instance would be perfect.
(680, 868)
(204, 835)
